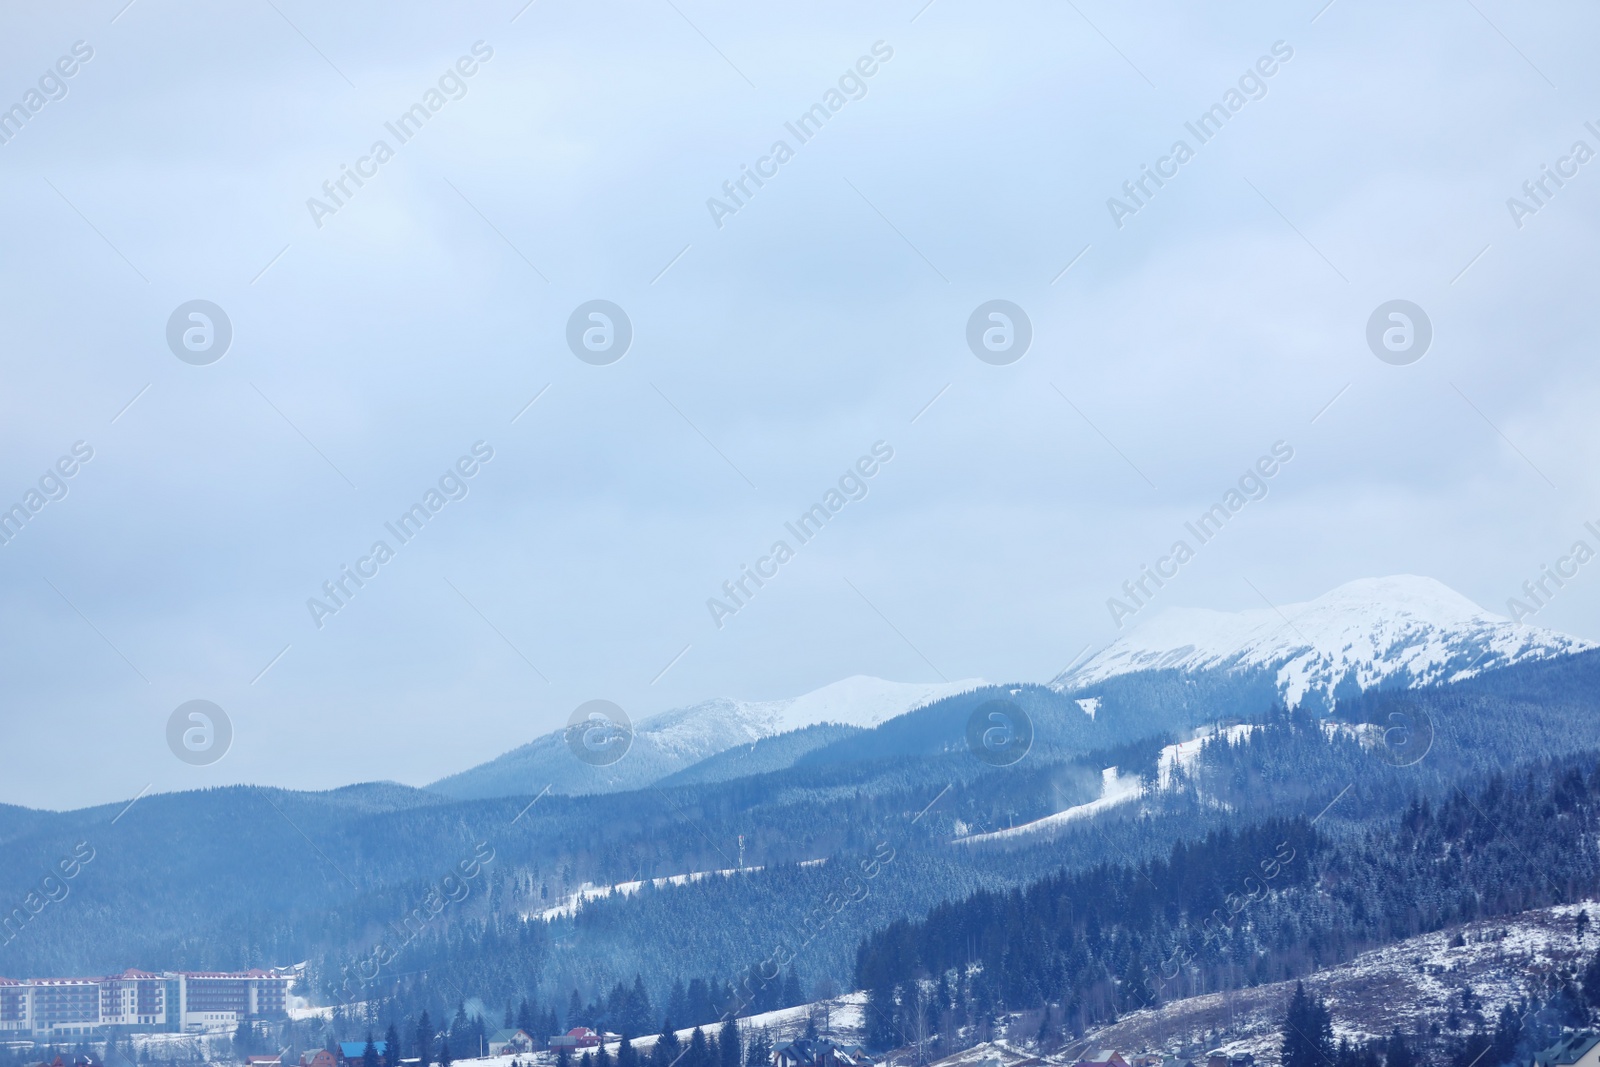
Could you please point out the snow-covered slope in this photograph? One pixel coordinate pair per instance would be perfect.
(1117, 788)
(666, 743)
(1375, 632)
(1411, 986)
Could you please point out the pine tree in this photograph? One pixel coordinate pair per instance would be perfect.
(881, 1010)
(759, 1054)
(638, 1018)
(1042, 1038)
(1396, 1053)
(729, 1050)
(425, 1041)
(574, 1010)
(791, 990)
(1307, 1031)
(369, 1054)
(627, 1055)
(665, 1054)
(699, 1054)
(678, 1001)
(391, 1047)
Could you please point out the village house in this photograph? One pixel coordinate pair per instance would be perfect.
(318, 1057)
(510, 1042)
(820, 1052)
(577, 1037)
(1580, 1049)
(1105, 1057)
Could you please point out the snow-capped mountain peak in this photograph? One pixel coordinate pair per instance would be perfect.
(1402, 630)
(673, 740)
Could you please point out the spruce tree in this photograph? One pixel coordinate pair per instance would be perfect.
(881, 1010)
(391, 1047)
(729, 1050)
(791, 990)
(638, 1018)
(665, 1054)
(369, 1054)
(678, 1001)
(424, 1041)
(574, 1010)
(759, 1054)
(1307, 1031)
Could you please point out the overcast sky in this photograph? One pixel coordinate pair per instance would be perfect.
(377, 338)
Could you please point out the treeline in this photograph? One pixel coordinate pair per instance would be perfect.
(1262, 904)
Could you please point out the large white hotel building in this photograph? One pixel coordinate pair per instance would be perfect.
(137, 1001)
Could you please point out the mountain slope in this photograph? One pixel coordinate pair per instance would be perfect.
(1412, 985)
(667, 743)
(1375, 633)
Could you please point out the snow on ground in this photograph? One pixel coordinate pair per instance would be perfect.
(1117, 788)
(589, 891)
(1408, 985)
(1090, 705)
(842, 1016)
(987, 1054)
(1185, 753)
(845, 1019)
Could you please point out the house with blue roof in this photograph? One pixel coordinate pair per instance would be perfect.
(1578, 1049)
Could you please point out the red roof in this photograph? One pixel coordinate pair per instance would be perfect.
(581, 1031)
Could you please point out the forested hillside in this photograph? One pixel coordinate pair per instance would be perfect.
(366, 886)
(1268, 902)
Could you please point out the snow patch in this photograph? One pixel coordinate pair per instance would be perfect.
(1115, 788)
(1185, 753)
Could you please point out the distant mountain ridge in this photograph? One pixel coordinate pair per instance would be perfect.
(1171, 672)
(675, 740)
(1401, 631)
(181, 885)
